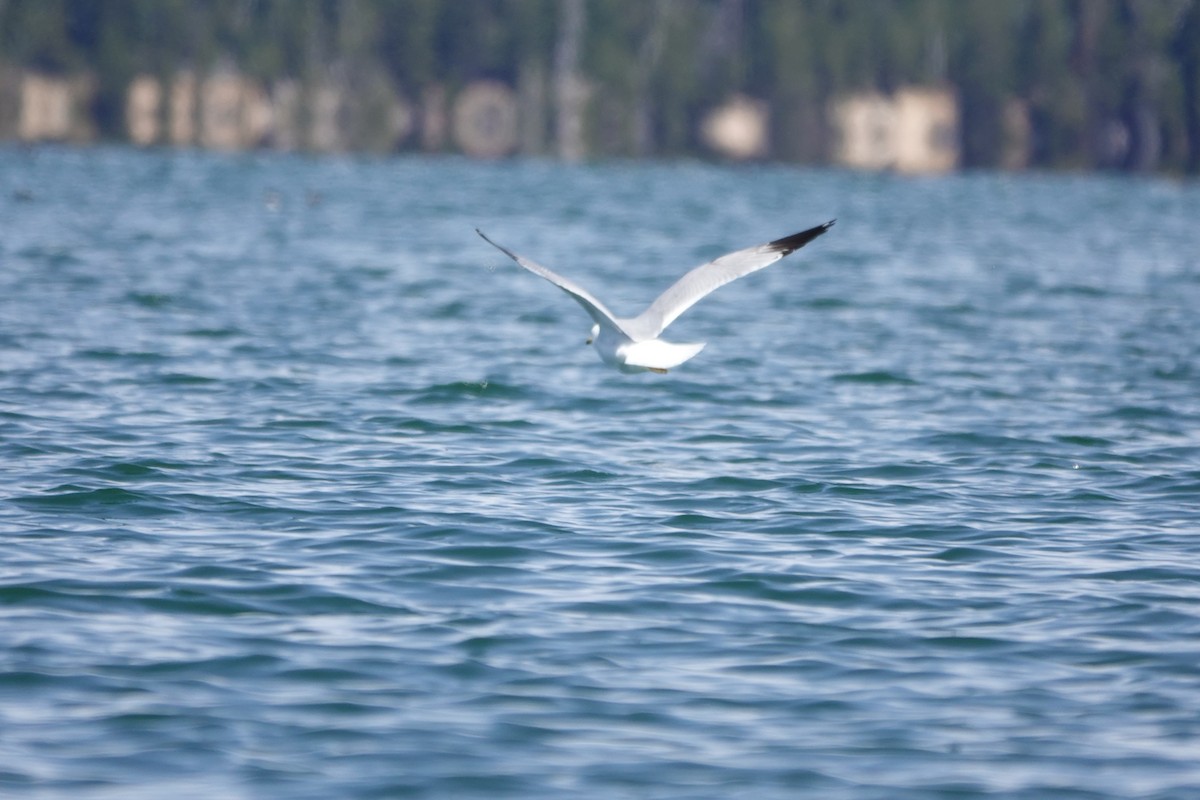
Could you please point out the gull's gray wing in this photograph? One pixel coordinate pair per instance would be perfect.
(595, 309)
(698, 283)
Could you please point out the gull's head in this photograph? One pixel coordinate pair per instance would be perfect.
(595, 332)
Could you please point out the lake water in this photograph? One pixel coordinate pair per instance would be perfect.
(307, 492)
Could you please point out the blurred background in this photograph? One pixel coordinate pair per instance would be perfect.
(307, 492)
(905, 85)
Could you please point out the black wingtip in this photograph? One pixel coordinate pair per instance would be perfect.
(794, 242)
(483, 236)
(499, 247)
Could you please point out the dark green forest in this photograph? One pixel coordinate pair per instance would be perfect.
(1109, 84)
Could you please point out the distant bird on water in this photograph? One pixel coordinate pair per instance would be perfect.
(632, 344)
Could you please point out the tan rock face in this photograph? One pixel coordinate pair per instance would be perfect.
(914, 131)
(485, 120)
(142, 109)
(55, 108)
(182, 122)
(738, 129)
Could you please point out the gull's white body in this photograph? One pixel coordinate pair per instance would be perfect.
(632, 344)
(618, 350)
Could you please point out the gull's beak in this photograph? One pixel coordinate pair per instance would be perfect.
(592, 336)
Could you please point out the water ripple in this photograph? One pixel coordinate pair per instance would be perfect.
(329, 503)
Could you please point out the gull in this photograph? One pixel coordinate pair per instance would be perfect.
(631, 344)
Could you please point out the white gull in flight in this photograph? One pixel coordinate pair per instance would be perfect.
(632, 344)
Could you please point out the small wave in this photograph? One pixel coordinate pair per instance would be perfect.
(966, 554)
(154, 300)
(1138, 413)
(124, 470)
(827, 304)
(424, 426)
(975, 442)
(467, 390)
(735, 483)
(1084, 440)
(768, 588)
(893, 472)
(694, 521)
(1147, 574)
(214, 333)
(876, 378)
(185, 379)
(581, 475)
(456, 309)
(113, 354)
(108, 501)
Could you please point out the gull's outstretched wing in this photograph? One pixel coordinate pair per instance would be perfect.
(698, 283)
(595, 309)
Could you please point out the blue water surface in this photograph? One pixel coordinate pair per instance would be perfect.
(307, 492)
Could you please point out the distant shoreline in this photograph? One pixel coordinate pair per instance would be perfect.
(934, 88)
